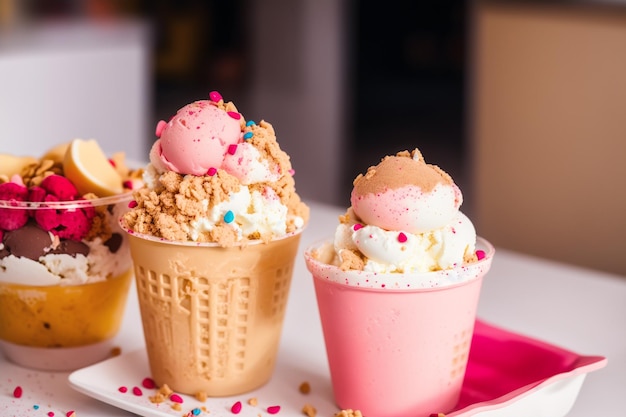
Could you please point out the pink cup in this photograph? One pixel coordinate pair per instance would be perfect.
(396, 346)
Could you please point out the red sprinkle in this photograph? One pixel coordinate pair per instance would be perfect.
(17, 392)
(232, 149)
(71, 413)
(148, 383)
(123, 390)
(215, 96)
(357, 226)
(50, 413)
(212, 171)
(128, 184)
(402, 237)
(236, 408)
(176, 398)
(234, 115)
(159, 128)
(273, 409)
(132, 204)
(480, 254)
(112, 162)
(137, 391)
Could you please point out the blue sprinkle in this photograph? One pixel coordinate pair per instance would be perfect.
(36, 407)
(250, 123)
(196, 411)
(229, 216)
(248, 135)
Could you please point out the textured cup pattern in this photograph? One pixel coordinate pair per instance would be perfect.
(210, 313)
(212, 316)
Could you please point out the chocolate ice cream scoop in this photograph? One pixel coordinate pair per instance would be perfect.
(32, 242)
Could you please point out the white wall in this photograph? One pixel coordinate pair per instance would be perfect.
(62, 81)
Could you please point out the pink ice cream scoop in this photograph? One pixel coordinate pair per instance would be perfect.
(405, 193)
(195, 139)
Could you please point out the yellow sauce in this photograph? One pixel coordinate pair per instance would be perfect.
(62, 316)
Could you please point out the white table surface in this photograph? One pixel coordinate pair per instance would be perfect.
(578, 309)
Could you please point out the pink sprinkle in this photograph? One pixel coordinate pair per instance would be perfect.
(357, 226)
(128, 184)
(215, 96)
(17, 392)
(176, 398)
(123, 390)
(402, 237)
(480, 254)
(236, 408)
(234, 115)
(132, 204)
(137, 391)
(159, 128)
(112, 162)
(71, 413)
(212, 171)
(292, 172)
(232, 149)
(148, 383)
(50, 413)
(273, 409)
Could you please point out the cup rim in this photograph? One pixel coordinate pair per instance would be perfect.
(122, 223)
(398, 282)
(66, 205)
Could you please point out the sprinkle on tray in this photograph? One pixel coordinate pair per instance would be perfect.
(137, 391)
(309, 411)
(236, 408)
(123, 389)
(273, 409)
(17, 392)
(148, 383)
(304, 388)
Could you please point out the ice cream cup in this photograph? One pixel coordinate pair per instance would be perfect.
(57, 326)
(212, 316)
(395, 347)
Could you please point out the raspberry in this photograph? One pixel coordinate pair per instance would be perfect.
(12, 219)
(71, 224)
(36, 194)
(60, 187)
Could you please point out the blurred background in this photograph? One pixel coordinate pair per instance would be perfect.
(522, 102)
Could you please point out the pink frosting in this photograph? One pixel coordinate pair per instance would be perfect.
(409, 208)
(195, 139)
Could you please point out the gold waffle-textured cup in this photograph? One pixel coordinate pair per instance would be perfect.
(212, 316)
